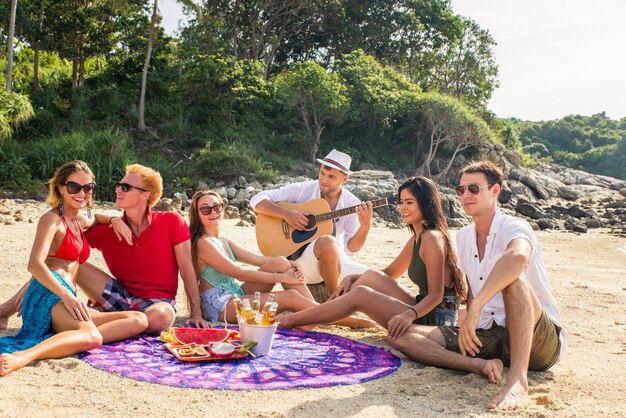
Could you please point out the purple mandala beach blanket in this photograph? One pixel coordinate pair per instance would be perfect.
(298, 359)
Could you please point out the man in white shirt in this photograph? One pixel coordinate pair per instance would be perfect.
(327, 258)
(512, 318)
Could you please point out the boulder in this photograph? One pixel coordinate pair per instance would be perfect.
(578, 212)
(529, 210)
(568, 192)
(572, 224)
(505, 194)
(593, 223)
(545, 223)
(231, 192)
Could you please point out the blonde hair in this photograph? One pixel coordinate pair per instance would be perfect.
(60, 178)
(151, 179)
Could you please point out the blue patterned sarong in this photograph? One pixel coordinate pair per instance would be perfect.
(36, 318)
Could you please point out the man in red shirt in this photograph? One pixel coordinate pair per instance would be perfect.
(145, 259)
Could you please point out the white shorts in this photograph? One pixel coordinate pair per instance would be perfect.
(309, 263)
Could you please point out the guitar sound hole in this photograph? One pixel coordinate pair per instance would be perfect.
(311, 223)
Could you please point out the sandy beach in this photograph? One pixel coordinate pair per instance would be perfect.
(588, 278)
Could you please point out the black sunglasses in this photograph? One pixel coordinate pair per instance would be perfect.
(126, 187)
(73, 187)
(472, 188)
(206, 209)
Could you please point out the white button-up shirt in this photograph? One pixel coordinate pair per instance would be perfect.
(504, 229)
(344, 227)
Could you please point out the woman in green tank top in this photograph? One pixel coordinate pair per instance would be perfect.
(428, 257)
(215, 260)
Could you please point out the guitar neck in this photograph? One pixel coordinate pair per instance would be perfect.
(347, 211)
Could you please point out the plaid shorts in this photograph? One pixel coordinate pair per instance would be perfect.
(115, 298)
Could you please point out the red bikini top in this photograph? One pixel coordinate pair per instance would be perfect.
(70, 248)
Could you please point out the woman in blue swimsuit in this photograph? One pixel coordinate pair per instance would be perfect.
(215, 259)
(55, 323)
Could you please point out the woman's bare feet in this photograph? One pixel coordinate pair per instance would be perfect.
(4, 323)
(514, 395)
(284, 321)
(356, 322)
(11, 362)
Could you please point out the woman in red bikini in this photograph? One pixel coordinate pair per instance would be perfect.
(55, 323)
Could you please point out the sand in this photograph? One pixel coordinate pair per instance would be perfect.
(588, 277)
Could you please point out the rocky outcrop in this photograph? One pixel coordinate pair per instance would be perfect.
(549, 197)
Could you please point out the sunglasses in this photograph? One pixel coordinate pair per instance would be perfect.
(126, 187)
(472, 188)
(73, 187)
(206, 209)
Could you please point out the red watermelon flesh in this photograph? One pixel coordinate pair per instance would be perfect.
(200, 335)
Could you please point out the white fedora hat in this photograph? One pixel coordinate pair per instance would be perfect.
(337, 159)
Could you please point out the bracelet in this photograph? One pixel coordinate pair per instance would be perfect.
(417, 316)
(111, 219)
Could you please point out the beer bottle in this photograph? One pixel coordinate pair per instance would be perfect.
(248, 313)
(256, 302)
(238, 305)
(269, 317)
(268, 302)
(257, 319)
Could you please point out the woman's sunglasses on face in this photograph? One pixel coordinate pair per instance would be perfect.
(472, 188)
(126, 187)
(73, 187)
(206, 209)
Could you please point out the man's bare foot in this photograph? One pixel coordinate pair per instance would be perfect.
(4, 323)
(11, 362)
(513, 396)
(492, 370)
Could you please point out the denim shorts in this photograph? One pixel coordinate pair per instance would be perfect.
(214, 302)
(447, 312)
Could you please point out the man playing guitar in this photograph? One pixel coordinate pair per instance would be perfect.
(326, 259)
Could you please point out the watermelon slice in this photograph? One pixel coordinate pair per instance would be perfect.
(200, 335)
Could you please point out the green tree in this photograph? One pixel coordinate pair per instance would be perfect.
(465, 68)
(153, 31)
(15, 109)
(13, 12)
(318, 96)
(446, 123)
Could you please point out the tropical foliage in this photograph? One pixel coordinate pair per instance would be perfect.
(252, 88)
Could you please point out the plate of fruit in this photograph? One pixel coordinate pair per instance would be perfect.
(205, 344)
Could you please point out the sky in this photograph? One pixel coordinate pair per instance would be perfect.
(555, 57)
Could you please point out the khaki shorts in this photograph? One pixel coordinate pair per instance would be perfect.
(544, 351)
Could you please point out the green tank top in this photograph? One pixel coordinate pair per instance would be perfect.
(417, 274)
(217, 278)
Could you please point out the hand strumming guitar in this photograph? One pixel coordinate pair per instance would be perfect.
(296, 219)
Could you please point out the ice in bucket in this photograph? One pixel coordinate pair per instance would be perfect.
(263, 336)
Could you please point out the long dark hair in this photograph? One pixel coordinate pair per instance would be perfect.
(196, 230)
(425, 192)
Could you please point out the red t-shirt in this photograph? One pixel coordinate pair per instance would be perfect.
(148, 268)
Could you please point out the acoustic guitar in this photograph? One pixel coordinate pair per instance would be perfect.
(276, 237)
